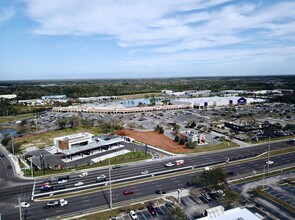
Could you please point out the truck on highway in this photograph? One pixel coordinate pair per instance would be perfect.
(56, 203)
(207, 168)
(179, 162)
(176, 163)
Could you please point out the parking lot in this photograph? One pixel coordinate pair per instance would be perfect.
(161, 211)
(281, 196)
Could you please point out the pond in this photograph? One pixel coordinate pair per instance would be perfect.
(9, 131)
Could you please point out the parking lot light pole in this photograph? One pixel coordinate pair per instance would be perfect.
(110, 179)
(32, 172)
(268, 154)
(263, 181)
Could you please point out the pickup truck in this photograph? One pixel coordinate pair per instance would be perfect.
(56, 203)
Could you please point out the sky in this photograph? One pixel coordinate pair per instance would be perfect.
(70, 39)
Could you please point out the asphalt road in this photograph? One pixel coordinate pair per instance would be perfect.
(132, 170)
(101, 199)
(11, 189)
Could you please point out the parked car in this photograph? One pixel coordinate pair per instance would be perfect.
(145, 172)
(24, 205)
(127, 192)
(79, 184)
(151, 209)
(220, 192)
(84, 174)
(206, 196)
(133, 215)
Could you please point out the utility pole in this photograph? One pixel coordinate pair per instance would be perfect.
(268, 154)
(32, 172)
(263, 184)
(12, 146)
(20, 209)
(110, 179)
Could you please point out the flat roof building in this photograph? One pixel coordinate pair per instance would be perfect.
(69, 141)
(218, 213)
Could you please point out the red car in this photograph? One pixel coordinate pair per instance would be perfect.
(151, 209)
(46, 183)
(127, 192)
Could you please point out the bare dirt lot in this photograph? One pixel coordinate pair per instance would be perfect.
(155, 139)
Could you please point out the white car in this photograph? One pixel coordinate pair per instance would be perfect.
(269, 162)
(220, 192)
(79, 184)
(83, 174)
(24, 205)
(145, 172)
(133, 215)
(62, 181)
(169, 164)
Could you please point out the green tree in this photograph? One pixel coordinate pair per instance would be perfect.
(61, 123)
(176, 127)
(182, 141)
(86, 123)
(16, 147)
(5, 140)
(210, 178)
(191, 145)
(176, 139)
(231, 198)
(193, 124)
(176, 213)
(74, 121)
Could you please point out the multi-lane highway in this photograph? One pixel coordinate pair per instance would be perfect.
(9, 195)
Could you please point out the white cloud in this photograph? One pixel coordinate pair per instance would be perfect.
(6, 14)
(268, 55)
(188, 29)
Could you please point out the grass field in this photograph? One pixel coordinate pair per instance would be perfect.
(46, 138)
(225, 144)
(8, 119)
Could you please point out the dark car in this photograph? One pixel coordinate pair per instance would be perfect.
(63, 178)
(8, 167)
(159, 191)
(116, 167)
(151, 209)
(127, 192)
(1, 155)
(230, 173)
(59, 187)
(46, 188)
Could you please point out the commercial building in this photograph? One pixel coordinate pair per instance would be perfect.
(54, 97)
(218, 213)
(196, 93)
(74, 140)
(97, 99)
(10, 96)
